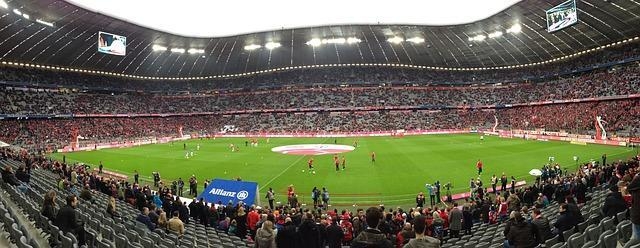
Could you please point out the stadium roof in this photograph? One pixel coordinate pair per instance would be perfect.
(201, 18)
(58, 33)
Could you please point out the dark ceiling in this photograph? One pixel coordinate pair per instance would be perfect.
(72, 41)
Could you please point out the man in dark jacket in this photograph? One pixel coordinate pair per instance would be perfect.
(613, 203)
(522, 234)
(565, 221)
(334, 234)
(287, 236)
(9, 177)
(455, 221)
(634, 213)
(308, 232)
(144, 219)
(68, 221)
(372, 237)
(542, 224)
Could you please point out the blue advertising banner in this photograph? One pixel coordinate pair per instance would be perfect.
(220, 190)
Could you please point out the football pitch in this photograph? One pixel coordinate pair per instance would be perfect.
(402, 168)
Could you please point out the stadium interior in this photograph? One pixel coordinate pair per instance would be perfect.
(75, 79)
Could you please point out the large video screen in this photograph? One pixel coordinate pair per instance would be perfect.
(112, 44)
(562, 16)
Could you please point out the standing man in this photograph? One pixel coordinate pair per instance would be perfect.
(432, 194)
(310, 164)
(373, 157)
(503, 181)
(100, 167)
(494, 182)
(604, 159)
(136, 176)
(180, 186)
(455, 221)
(479, 166)
(270, 196)
(325, 197)
(420, 200)
(337, 162)
(437, 185)
(344, 162)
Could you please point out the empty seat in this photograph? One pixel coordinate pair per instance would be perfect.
(22, 243)
(593, 232)
(624, 231)
(576, 240)
(552, 241)
(608, 239)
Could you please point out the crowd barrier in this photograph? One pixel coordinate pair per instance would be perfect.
(556, 136)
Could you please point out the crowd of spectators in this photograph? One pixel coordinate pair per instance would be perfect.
(620, 82)
(620, 116)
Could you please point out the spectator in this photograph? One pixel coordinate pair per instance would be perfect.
(564, 222)
(347, 228)
(522, 233)
(613, 203)
(287, 236)
(162, 220)
(467, 219)
(334, 234)
(241, 219)
(455, 221)
(265, 236)
(49, 206)
(9, 177)
(308, 232)
(23, 174)
(111, 207)
(574, 210)
(372, 235)
(68, 221)
(403, 237)
(175, 224)
(421, 240)
(634, 189)
(85, 194)
(143, 217)
(542, 224)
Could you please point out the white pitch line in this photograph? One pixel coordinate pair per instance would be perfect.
(281, 173)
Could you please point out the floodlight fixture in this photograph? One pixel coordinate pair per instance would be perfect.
(272, 45)
(395, 40)
(252, 47)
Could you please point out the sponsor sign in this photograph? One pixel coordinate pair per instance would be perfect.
(220, 190)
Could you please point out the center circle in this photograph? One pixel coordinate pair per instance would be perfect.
(312, 149)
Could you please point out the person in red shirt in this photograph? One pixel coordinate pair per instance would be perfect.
(290, 193)
(479, 166)
(336, 161)
(252, 219)
(347, 229)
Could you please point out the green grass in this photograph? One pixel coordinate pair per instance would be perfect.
(403, 165)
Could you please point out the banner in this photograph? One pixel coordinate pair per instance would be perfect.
(223, 191)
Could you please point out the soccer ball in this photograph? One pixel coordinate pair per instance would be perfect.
(302, 171)
(314, 172)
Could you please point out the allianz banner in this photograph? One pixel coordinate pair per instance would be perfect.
(220, 190)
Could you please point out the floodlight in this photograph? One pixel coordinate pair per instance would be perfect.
(252, 47)
(516, 28)
(158, 48)
(17, 11)
(272, 45)
(50, 24)
(195, 51)
(177, 50)
(4, 4)
(353, 40)
(314, 42)
(395, 40)
(26, 16)
(416, 40)
(495, 34)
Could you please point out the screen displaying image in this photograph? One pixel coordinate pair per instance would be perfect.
(112, 44)
(562, 16)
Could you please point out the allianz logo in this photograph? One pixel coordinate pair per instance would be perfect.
(221, 192)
